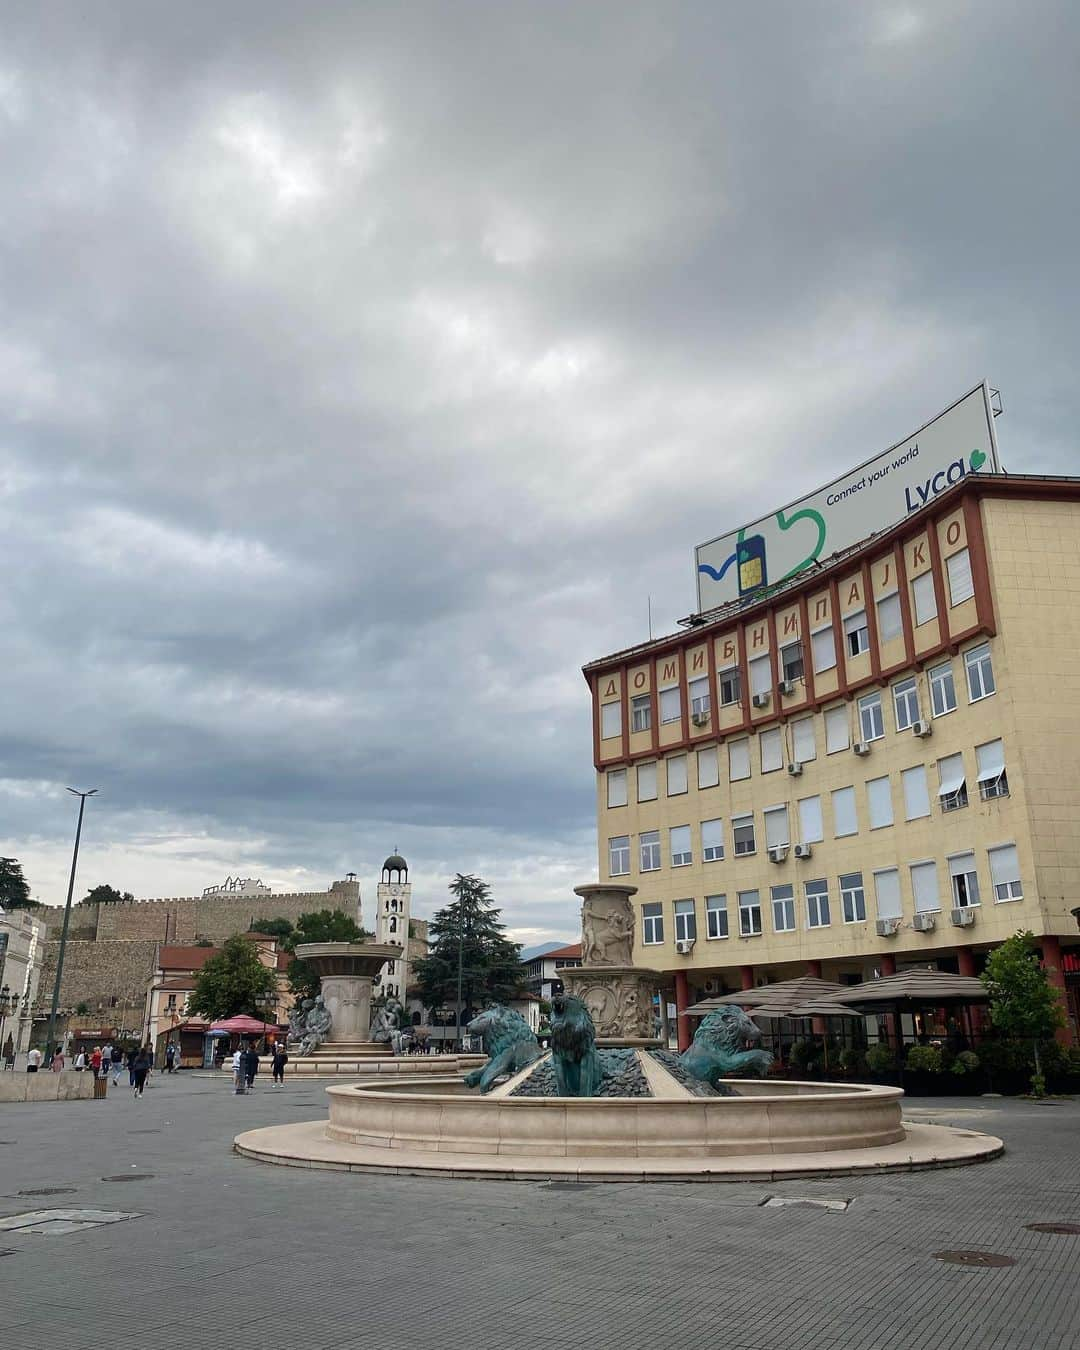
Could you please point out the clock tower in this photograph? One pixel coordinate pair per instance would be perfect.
(393, 905)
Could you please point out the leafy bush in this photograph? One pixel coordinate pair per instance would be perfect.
(1038, 1085)
(880, 1058)
(924, 1059)
(804, 1054)
(852, 1060)
(967, 1061)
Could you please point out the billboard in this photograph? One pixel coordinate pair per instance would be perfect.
(871, 498)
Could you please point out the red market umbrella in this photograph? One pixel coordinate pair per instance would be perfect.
(242, 1025)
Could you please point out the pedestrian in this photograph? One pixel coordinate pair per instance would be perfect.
(140, 1069)
(172, 1056)
(33, 1060)
(80, 1061)
(57, 1061)
(251, 1065)
(277, 1064)
(117, 1065)
(238, 1070)
(106, 1059)
(95, 1060)
(9, 1053)
(132, 1055)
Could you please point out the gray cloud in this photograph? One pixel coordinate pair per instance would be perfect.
(363, 368)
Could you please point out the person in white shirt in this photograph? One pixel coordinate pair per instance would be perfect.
(33, 1060)
(238, 1070)
(80, 1061)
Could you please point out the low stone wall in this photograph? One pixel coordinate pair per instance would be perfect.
(45, 1086)
(395, 1066)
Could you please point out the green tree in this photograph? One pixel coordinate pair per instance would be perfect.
(277, 928)
(490, 963)
(231, 982)
(1023, 1002)
(322, 925)
(14, 890)
(106, 895)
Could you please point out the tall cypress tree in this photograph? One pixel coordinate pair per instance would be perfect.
(491, 969)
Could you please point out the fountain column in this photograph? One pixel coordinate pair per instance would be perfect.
(346, 971)
(618, 994)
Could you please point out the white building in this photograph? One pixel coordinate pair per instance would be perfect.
(21, 944)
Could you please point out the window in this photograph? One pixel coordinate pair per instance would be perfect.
(837, 730)
(716, 925)
(879, 799)
(980, 673)
(961, 584)
(924, 887)
(804, 748)
(791, 661)
(641, 712)
(810, 830)
(783, 909)
(906, 704)
(845, 821)
(681, 855)
(887, 892)
(708, 767)
(857, 633)
(952, 791)
(646, 782)
(749, 914)
(712, 840)
(823, 646)
(170, 1003)
(965, 880)
(742, 834)
(610, 720)
(730, 685)
(888, 617)
(922, 588)
(652, 925)
(738, 760)
(916, 793)
(990, 758)
(685, 921)
(616, 787)
(772, 750)
(817, 904)
(1005, 873)
(619, 855)
(670, 704)
(853, 897)
(871, 718)
(760, 675)
(777, 830)
(676, 775)
(700, 698)
(649, 841)
(942, 690)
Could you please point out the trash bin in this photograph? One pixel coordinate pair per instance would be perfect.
(101, 1087)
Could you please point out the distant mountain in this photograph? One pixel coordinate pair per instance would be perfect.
(531, 953)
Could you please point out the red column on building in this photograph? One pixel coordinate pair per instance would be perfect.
(1051, 959)
(682, 1002)
(814, 968)
(892, 1022)
(747, 973)
(965, 959)
(888, 963)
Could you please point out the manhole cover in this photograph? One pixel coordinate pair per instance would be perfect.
(132, 1176)
(51, 1190)
(567, 1185)
(807, 1202)
(974, 1258)
(53, 1222)
(1068, 1228)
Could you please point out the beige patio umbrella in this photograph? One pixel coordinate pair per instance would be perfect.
(784, 996)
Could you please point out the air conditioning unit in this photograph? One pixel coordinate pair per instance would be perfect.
(700, 719)
(778, 853)
(786, 687)
(804, 850)
(962, 918)
(887, 927)
(922, 727)
(794, 769)
(924, 923)
(861, 748)
(684, 946)
(760, 700)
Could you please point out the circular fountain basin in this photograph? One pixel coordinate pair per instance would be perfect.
(770, 1130)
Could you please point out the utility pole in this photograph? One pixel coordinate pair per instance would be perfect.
(50, 1042)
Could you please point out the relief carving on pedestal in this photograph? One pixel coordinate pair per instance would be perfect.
(607, 931)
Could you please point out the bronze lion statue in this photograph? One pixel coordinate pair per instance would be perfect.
(725, 1043)
(573, 1048)
(508, 1043)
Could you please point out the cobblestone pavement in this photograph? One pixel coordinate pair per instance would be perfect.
(230, 1254)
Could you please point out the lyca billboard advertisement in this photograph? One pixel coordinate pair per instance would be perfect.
(869, 499)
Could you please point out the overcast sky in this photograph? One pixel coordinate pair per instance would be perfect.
(363, 369)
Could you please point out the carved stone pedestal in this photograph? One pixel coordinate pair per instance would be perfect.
(618, 994)
(346, 971)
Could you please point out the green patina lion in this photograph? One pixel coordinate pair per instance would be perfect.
(578, 1071)
(508, 1043)
(725, 1043)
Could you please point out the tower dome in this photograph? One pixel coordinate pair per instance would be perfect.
(395, 868)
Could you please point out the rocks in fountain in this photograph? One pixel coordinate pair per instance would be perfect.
(697, 1087)
(621, 1075)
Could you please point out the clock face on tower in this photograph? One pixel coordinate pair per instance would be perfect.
(395, 891)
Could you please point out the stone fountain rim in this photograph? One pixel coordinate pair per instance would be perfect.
(388, 951)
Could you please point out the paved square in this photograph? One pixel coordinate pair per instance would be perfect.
(227, 1254)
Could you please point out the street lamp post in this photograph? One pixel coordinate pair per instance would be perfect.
(50, 1040)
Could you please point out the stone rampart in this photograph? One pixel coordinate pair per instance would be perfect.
(97, 972)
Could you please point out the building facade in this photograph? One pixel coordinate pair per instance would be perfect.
(21, 949)
(543, 973)
(875, 765)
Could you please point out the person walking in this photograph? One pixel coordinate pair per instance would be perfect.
(132, 1056)
(106, 1059)
(95, 1060)
(9, 1053)
(251, 1065)
(33, 1060)
(80, 1061)
(140, 1069)
(117, 1065)
(238, 1070)
(277, 1064)
(57, 1061)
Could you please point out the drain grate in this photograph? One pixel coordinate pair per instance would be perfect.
(1066, 1228)
(965, 1258)
(53, 1222)
(131, 1176)
(52, 1190)
(805, 1201)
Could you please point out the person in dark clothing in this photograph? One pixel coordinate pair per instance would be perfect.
(139, 1071)
(277, 1064)
(251, 1066)
(131, 1057)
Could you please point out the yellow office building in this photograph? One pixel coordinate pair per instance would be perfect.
(877, 765)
